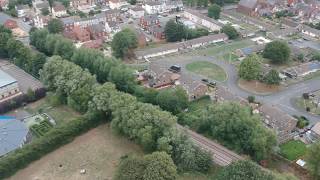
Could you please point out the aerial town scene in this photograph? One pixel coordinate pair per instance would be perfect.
(160, 89)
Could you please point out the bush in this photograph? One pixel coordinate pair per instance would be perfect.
(251, 99)
(55, 138)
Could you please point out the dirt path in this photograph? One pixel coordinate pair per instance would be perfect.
(97, 151)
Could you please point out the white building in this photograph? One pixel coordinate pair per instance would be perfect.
(8, 86)
(41, 21)
(22, 10)
(117, 4)
(154, 7)
(202, 20)
(136, 12)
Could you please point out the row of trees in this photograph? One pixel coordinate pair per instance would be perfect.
(176, 31)
(19, 54)
(146, 124)
(235, 127)
(107, 69)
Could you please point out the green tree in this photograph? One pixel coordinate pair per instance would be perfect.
(130, 168)
(230, 31)
(277, 51)
(244, 170)
(313, 160)
(214, 11)
(31, 95)
(45, 11)
(174, 31)
(272, 77)
(55, 26)
(250, 68)
(159, 166)
(38, 39)
(123, 43)
(218, 2)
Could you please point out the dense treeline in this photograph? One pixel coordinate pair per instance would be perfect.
(146, 124)
(19, 54)
(56, 137)
(235, 127)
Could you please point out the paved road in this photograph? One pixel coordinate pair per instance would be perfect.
(282, 99)
(221, 155)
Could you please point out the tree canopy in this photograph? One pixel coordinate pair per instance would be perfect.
(272, 77)
(230, 31)
(313, 160)
(250, 68)
(214, 11)
(277, 51)
(123, 42)
(55, 26)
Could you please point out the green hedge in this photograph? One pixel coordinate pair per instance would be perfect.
(56, 137)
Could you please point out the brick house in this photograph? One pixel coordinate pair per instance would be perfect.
(194, 88)
(97, 31)
(112, 15)
(160, 77)
(58, 10)
(146, 22)
(247, 7)
(157, 31)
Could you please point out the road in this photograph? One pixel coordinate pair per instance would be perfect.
(221, 155)
(282, 99)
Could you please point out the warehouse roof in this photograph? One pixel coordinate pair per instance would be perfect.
(6, 79)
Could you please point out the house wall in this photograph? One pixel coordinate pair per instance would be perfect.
(9, 90)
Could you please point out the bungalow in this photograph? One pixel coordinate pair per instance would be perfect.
(194, 88)
(302, 69)
(314, 33)
(281, 122)
(160, 77)
(315, 131)
(202, 20)
(136, 12)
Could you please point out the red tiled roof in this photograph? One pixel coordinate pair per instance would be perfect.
(11, 24)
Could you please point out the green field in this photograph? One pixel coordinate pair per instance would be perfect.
(208, 70)
(225, 48)
(293, 149)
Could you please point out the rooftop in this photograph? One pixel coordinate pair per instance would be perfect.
(6, 79)
(316, 128)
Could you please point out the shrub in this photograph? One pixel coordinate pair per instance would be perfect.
(251, 99)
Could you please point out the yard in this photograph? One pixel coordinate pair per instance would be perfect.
(208, 70)
(303, 104)
(293, 149)
(97, 151)
(257, 87)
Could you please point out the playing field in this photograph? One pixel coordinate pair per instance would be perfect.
(208, 70)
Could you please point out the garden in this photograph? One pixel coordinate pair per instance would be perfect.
(293, 149)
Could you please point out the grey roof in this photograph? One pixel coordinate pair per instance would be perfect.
(12, 135)
(69, 20)
(204, 17)
(248, 3)
(137, 8)
(151, 18)
(6, 79)
(157, 29)
(44, 4)
(21, 7)
(153, 3)
(97, 28)
(113, 11)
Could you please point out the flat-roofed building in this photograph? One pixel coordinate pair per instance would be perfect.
(8, 86)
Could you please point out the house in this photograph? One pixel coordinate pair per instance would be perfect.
(142, 41)
(281, 122)
(112, 15)
(223, 94)
(97, 31)
(202, 20)
(58, 10)
(147, 21)
(302, 69)
(247, 7)
(9, 87)
(69, 22)
(160, 77)
(13, 134)
(194, 88)
(4, 4)
(176, 47)
(157, 31)
(41, 21)
(136, 12)
(154, 7)
(22, 10)
(77, 3)
(40, 5)
(81, 34)
(10, 24)
(314, 33)
(117, 4)
(315, 131)
(173, 5)
(112, 27)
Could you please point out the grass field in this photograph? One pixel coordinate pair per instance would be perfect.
(208, 69)
(97, 151)
(293, 149)
(225, 48)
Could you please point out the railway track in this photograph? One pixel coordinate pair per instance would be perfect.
(221, 155)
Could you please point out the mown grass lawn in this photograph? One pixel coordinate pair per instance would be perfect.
(293, 149)
(208, 70)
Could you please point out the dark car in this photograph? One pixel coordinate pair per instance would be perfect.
(175, 68)
(209, 83)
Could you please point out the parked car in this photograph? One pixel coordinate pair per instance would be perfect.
(175, 68)
(209, 83)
